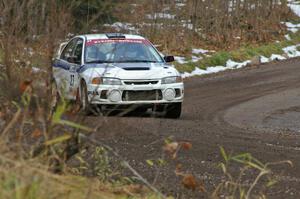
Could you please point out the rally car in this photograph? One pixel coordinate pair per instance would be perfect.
(117, 71)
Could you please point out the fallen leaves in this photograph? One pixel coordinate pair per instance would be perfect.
(173, 148)
(26, 86)
(189, 182)
(178, 170)
(36, 133)
(130, 190)
(186, 145)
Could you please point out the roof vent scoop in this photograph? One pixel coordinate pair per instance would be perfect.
(115, 36)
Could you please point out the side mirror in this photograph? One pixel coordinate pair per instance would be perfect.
(169, 59)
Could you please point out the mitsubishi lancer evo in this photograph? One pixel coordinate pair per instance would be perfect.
(118, 70)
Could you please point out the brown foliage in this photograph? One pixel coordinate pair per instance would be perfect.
(26, 86)
(189, 182)
(178, 25)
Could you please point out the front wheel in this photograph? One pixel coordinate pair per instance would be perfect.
(55, 97)
(84, 102)
(173, 110)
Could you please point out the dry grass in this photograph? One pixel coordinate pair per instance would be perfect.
(254, 179)
(32, 155)
(22, 179)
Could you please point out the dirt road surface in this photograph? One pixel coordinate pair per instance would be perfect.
(254, 110)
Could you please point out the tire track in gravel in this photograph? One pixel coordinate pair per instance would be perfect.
(205, 122)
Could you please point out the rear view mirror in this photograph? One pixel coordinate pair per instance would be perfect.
(169, 59)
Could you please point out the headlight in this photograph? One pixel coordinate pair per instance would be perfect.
(97, 80)
(111, 81)
(171, 80)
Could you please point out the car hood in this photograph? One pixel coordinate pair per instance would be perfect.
(129, 70)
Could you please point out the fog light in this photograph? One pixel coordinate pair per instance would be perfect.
(114, 96)
(169, 94)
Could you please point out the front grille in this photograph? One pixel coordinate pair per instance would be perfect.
(142, 95)
(140, 82)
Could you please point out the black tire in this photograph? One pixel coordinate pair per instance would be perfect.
(83, 98)
(173, 110)
(55, 97)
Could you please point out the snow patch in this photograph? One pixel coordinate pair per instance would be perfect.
(264, 59)
(215, 69)
(198, 71)
(180, 4)
(180, 60)
(199, 51)
(232, 64)
(160, 16)
(35, 70)
(292, 51)
(119, 26)
(277, 57)
(292, 27)
(287, 37)
(295, 7)
(196, 59)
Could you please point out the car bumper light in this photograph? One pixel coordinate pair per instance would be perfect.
(114, 96)
(169, 94)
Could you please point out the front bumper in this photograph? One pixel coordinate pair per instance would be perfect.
(135, 94)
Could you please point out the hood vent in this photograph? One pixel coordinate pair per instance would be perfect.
(137, 68)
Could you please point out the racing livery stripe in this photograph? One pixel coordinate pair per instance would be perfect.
(81, 69)
(59, 64)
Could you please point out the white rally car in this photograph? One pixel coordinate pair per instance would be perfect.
(116, 71)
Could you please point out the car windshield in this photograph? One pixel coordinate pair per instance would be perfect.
(121, 51)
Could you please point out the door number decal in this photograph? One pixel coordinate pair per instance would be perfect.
(72, 80)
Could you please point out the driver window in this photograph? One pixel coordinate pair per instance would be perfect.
(67, 52)
(78, 51)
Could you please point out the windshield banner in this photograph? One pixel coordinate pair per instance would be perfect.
(100, 41)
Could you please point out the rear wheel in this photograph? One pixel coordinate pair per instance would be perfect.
(173, 110)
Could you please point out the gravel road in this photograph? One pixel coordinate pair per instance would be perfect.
(255, 110)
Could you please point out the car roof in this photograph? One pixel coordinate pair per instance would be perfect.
(106, 36)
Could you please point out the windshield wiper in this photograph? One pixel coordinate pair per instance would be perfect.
(98, 62)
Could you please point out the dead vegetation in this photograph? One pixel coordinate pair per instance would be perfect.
(216, 24)
(36, 140)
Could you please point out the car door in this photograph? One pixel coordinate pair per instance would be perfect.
(61, 69)
(75, 64)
